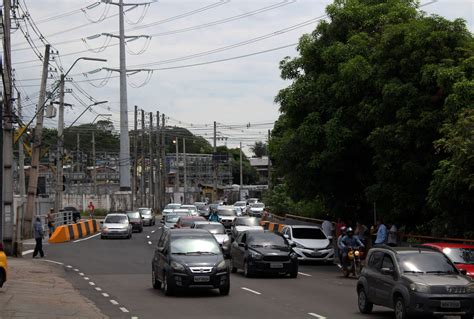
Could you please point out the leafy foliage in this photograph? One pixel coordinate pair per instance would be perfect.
(259, 149)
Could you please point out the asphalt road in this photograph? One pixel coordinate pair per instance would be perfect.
(116, 275)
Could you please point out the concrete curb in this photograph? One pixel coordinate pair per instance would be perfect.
(79, 230)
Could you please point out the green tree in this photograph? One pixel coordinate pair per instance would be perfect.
(259, 149)
(250, 175)
(367, 100)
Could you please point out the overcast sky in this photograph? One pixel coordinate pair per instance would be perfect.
(232, 93)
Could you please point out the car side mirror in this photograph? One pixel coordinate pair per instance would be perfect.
(463, 272)
(387, 271)
(293, 244)
(286, 236)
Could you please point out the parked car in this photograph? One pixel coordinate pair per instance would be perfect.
(256, 209)
(263, 252)
(415, 282)
(169, 208)
(226, 215)
(189, 258)
(242, 205)
(147, 216)
(203, 209)
(244, 223)
(461, 255)
(170, 221)
(311, 244)
(136, 221)
(76, 215)
(193, 209)
(116, 225)
(3, 266)
(188, 221)
(218, 230)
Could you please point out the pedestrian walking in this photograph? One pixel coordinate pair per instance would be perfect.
(392, 236)
(327, 227)
(38, 229)
(50, 219)
(91, 209)
(382, 233)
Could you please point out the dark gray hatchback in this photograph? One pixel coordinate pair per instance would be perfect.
(189, 258)
(414, 282)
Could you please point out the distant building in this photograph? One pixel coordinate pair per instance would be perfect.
(261, 165)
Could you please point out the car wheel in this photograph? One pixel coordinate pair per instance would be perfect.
(365, 306)
(247, 271)
(400, 310)
(233, 269)
(167, 290)
(154, 280)
(224, 291)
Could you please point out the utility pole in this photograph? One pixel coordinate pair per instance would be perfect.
(36, 149)
(142, 164)
(185, 171)
(94, 176)
(59, 156)
(241, 174)
(151, 192)
(163, 163)
(135, 159)
(157, 163)
(21, 185)
(214, 161)
(79, 159)
(269, 164)
(177, 166)
(6, 217)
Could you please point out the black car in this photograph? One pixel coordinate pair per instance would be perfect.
(414, 282)
(187, 259)
(136, 221)
(263, 252)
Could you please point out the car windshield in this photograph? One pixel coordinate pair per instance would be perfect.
(308, 233)
(133, 215)
(145, 211)
(425, 262)
(226, 212)
(182, 212)
(267, 240)
(460, 255)
(212, 228)
(247, 222)
(258, 205)
(191, 208)
(240, 204)
(172, 206)
(116, 219)
(194, 246)
(171, 218)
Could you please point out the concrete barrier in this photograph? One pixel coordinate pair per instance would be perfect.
(274, 227)
(79, 230)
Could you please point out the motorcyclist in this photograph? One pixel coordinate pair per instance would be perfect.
(347, 242)
(213, 217)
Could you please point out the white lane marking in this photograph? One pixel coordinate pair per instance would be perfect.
(304, 274)
(98, 289)
(76, 270)
(52, 261)
(81, 274)
(26, 252)
(105, 295)
(91, 283)
(69, 266)
(149, 243)
(124, 309)
(252, 291)
(87, 238)
(316, 315)
(113, 302)
(86, 278)
(153, 231)
(147, 236)
(134, 318)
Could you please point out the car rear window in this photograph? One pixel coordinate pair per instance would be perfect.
(134, 215)
(308, 233)
(116, 219)
(226, 212)
(212, 228)
(247, 222)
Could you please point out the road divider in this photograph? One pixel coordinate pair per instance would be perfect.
(274, 227)
(79, 230)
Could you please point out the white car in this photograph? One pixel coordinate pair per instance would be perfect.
(256, 209)
(226, 215)
(192, 208)
(218, 231)
(116, 226)
(241, 224)
(242, 205)
(170, 208)
(310, 242)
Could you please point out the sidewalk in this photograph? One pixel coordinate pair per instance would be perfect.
(37, 289)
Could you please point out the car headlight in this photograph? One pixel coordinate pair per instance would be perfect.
(256, 256)
(293, 256)
(105, 230)
(470, 288)
(356, 253)
(177, 266)
(222, 266)
(298, 245)
(419, 287)
(226, 241)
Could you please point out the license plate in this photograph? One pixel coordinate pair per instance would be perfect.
(450, 304)
(201, 278)
(315, 253)
(274, 265)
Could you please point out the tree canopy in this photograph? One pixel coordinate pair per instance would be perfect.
(371, 91)
(259, 149)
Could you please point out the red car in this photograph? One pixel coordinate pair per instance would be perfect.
(460, 254)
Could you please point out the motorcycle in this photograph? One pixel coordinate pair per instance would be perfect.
(354, 262)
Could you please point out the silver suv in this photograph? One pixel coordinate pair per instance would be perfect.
(414, 282)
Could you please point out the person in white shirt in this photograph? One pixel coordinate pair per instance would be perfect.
(327, 227)
(392, 236)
